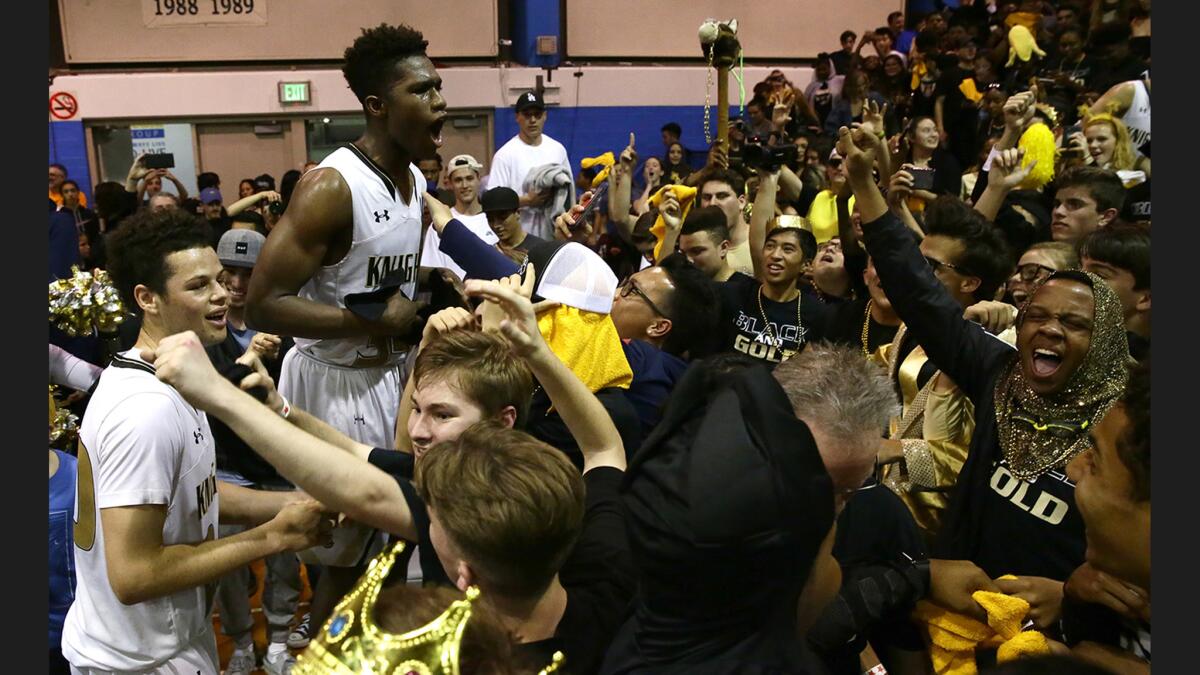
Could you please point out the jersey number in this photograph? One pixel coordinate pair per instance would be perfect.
(85, 502)
(378, 352)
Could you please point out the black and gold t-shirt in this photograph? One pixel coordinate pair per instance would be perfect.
(777, 336)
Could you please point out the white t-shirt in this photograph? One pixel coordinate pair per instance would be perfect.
(512, 164)
(140, 443)
(432, 257)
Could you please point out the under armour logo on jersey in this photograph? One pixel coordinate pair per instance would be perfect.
(198, 436)
(359, 419)
(383, 216)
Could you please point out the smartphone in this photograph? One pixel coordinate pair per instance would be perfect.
(165, 160)
(922, 177)
(590, 205)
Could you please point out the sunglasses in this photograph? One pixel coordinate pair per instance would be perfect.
(1034, 271)
(628, 287)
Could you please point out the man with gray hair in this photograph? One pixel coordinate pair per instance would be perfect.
(731, 504)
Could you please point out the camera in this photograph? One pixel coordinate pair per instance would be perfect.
(766, 157)
(275, 208)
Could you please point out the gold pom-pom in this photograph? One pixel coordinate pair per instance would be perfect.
(85, 302)
(63, 425)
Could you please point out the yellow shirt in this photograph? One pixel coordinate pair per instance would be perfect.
(822, 216)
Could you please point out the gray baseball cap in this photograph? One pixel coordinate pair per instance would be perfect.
(240, 248)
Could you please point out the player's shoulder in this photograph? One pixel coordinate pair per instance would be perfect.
(129, 388)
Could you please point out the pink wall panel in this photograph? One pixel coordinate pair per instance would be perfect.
(667, 28)
(255, 92)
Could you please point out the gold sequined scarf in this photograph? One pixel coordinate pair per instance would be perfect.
(1061, 421)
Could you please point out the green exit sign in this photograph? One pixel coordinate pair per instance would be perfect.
(294, 92)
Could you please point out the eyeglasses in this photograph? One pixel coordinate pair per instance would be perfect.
(936, 265)
(1034, 271)
(629, 288)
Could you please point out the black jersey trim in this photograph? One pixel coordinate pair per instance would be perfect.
(383, 176)
(119, 361)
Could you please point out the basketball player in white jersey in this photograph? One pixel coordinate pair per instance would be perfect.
(351, 221)
(1130, 101)
(147, 554)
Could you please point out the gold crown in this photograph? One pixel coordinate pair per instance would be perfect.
(351, 643)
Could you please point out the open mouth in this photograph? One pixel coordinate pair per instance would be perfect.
(1046, 362)
(435, 131)
(827, 258)
(216, 318)
(775, 268)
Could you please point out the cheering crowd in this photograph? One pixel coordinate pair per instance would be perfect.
(863, 389)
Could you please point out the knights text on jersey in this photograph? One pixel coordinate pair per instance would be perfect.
(387, 238)
(140, 443)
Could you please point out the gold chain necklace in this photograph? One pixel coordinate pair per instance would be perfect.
(866, 331)
(777, 340)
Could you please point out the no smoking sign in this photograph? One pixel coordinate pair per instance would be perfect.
(63, 106)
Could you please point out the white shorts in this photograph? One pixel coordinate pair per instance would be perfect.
(200, 658)
(362, 403)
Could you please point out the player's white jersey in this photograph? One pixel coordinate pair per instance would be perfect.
(387, 237)
(140, 443)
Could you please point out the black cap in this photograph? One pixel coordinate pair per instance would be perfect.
(500, 199)
(264, 182)
(530, 99)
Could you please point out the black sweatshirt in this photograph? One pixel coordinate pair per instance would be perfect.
(999, 522)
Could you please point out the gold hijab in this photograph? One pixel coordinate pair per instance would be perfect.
(1038, 433)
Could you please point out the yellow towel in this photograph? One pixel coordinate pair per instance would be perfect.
(588, 343)
(918, 71)
(967, 87)
(606, 160)
(686, 196)
(954, 637)
(1021, 44)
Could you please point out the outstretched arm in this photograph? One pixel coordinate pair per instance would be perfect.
(182, 191)
(960, 348)
(337, 479)
(672, 218)
(760, 217)
(621, 189)
(141, 567)
(247, 202)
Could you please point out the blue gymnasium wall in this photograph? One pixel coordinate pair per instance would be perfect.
(68, 146)
(531, 18)
(589, 132)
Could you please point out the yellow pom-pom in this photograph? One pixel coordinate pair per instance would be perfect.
(1039, 146)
